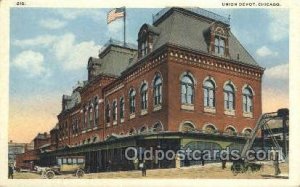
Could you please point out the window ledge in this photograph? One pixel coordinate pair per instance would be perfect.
(132, 116)
(95, 128)
(248, 114)
(187, 107)
(84, 131)
(107, 124)
(144, 112)
(229, 112)
(157, 107)
(210, 109)
(122, 120)
(115, 123)
(89, 130)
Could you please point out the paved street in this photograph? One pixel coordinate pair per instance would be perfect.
(208, 171)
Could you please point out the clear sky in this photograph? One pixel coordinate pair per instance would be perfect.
(49, 49)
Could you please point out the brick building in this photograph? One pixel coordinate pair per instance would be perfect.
(188, 82)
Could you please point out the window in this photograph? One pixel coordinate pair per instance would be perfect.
(132, 101)
(230, 131)
(187, 127)
(122, 108)
(157, 127)
(157, 90)
(144, 96)
(90, 116)
(210, 128)
(219, 45)
(247, 100)
(187, 90)
(114, 110)
(107, 113)
(143, 130)
(96, 112)
(209, 93)
(144, 47)
(229, 98)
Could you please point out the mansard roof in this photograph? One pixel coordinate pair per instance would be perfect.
(185, 28)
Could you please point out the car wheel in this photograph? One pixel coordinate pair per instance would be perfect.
(50, 174)
(79, 173)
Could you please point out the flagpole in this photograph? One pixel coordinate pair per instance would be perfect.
(124, 26)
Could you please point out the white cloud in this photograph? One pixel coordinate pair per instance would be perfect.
(71, 14)
(280, 72)
(31, 62)
(115, 30)
(52, 23)
(265, 51)
(74, 55)
(41, 41)
(279, 26)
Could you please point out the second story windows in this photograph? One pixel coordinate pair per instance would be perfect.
(114, 111)
(90, 117)
(144, 96)
(209, 93)
(187, 90)
(132, 101)
(122, 108)
(247, 100)
(107, 113)
(229, 97)
(96, 112)
(157, 90)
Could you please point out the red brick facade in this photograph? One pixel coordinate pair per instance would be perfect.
(171, 62)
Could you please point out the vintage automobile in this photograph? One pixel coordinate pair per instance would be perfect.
(66, 165)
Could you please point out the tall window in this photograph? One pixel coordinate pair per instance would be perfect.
(107, 113)
(96, 110)
(132, 101)
(122, 108)
(219, 45)
(187, 90)
(144, 96)
(85, 118)
(157, 90)
(229, 97)
(209, 93)
(90, 116)
(144, 47)
(247, 100)
(114, 110)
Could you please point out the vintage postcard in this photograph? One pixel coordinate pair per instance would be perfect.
(132, 91)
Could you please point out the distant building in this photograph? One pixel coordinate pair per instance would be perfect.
(15, 149)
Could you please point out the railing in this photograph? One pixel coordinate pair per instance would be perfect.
(118, 43)
(198, 11)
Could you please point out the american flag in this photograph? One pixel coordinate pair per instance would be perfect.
(115, 14)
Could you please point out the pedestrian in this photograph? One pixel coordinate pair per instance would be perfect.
(136, 163)
(11, 172)
(276, 163)
(143, 168)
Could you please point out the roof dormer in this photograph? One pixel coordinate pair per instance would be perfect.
(219, 35)
(146, 38)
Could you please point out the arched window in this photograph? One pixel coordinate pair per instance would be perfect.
(247, 100)
(114, 110)
(187, 127)
(157, 127)
(96, 112)
(187, 90)
(90, 116)
(247, 132)
(107, 113)
(144, 96)
(143, 130)
(229, 97)
(230, 130)
(157, 90)
(219, 45)
(210, 128)
(209, 93)
(131, 132)
(122, 108)
(132, 101)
